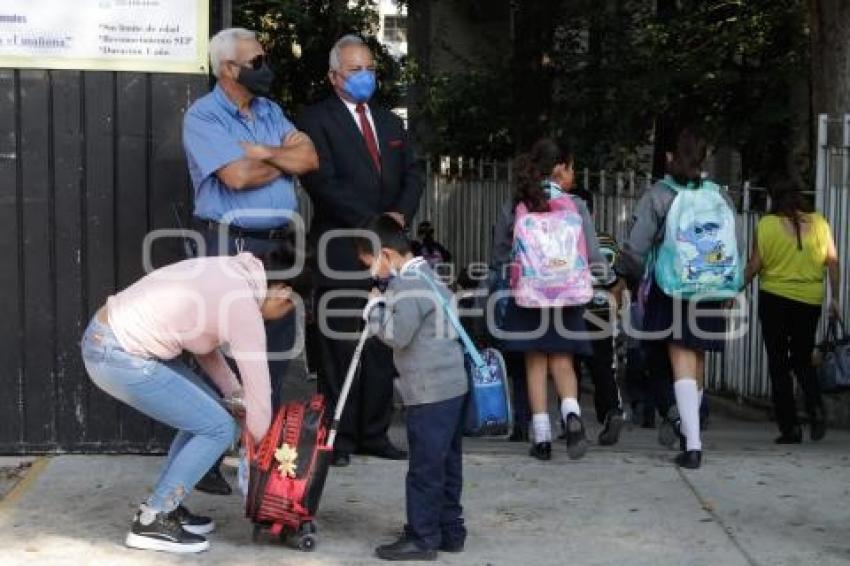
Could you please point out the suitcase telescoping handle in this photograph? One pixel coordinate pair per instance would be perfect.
(346, 387)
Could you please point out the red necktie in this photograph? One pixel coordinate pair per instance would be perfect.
(369, 136)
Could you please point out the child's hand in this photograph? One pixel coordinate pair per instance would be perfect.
(375, 299)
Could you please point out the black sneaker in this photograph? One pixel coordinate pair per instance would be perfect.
(162, 532)
(541, 451)
(690, 459)
(195, 524)
(576, 437)
(611, 428)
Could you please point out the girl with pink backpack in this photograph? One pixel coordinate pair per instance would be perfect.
(545, 244)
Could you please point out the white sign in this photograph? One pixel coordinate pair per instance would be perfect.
(116, 35)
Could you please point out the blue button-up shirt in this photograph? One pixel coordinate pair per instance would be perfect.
(212, 131)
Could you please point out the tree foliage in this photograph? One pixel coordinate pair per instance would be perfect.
(601, 74)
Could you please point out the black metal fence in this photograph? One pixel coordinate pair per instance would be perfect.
(90, 162)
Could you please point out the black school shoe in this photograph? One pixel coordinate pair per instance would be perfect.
(452, 547)
(541, 451)
(214, 483)
(404, 549)
(576, 437)
(690, 459)
(195, 524)
(610, 434)
(163, 532)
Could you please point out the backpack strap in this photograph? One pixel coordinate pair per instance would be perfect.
(468, 345)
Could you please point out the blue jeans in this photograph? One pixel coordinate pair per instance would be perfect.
(435, 473)
(170, 393)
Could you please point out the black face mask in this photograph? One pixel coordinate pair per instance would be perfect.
(258, 81)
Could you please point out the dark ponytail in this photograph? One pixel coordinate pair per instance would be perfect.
(533, 168)
(689, 150)
(786, 200)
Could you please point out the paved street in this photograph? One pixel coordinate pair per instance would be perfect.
(751, 503)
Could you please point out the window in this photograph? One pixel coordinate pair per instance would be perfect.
(395, 29)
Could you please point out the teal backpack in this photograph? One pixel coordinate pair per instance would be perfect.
(699, 257)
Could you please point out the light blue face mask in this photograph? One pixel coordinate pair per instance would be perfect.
(360, 86)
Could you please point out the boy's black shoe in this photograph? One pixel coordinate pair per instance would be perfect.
(576, 437)
(404, 549)
(452, 547)
(195, 524)
(690, 459)
(214, 483)
(162, 531)
(611, 428)
(541, 451)
(793, 436)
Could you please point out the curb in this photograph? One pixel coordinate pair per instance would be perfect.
(35, 471)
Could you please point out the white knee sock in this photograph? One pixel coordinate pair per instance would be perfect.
(570, 405)
(687, 400)
(542, 427)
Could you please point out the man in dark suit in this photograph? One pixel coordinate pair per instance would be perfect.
(367, 167)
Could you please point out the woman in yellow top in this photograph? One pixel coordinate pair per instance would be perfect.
(792, 252)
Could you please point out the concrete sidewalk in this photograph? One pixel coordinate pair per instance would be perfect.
(751, 503)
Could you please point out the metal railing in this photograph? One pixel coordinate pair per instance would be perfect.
(463, 199)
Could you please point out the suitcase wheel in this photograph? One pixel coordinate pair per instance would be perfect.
(307, 543)
(307, 537)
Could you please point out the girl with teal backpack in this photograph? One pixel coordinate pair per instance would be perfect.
(683, 254)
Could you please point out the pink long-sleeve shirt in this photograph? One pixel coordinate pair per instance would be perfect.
(198, 305)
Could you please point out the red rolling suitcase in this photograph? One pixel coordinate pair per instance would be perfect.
(288, 468)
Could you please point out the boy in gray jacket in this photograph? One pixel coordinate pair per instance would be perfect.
(433, 384)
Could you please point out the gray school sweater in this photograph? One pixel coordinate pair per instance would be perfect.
(426, 350)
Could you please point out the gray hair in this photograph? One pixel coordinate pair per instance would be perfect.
(223, 46)
(345, 41)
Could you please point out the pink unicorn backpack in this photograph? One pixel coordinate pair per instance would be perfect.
(550, 267)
